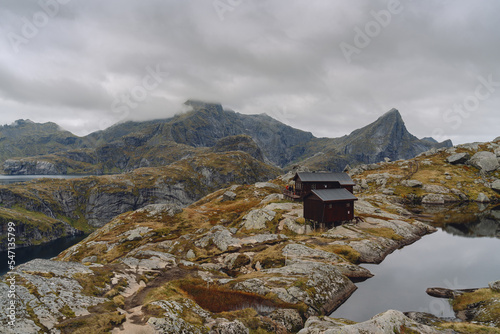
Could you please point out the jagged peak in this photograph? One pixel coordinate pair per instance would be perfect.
(393, 113)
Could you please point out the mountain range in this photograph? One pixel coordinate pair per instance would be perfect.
(31, 148)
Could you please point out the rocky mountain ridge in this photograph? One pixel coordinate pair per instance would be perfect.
(130, 145)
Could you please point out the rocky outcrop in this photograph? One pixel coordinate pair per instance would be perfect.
(494, 286)
(32, 167)
(48, 286)
(242, 143)
(458, 158)
(174, 313)
(496, 185)
(388, 322)
(324, 290)
(485, 161)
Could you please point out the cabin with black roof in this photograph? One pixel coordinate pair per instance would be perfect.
(305, 182)
(327, 197)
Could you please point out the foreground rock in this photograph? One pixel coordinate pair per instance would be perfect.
(48, 291)
(388, 322)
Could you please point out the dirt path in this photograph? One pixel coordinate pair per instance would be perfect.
(135, 295)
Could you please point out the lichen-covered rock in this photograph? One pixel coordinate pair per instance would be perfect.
(135, 234)
(224, 326)
(190, 255)
(228, 196)
(433, 188)
(412, 183)
(294, 227)
(267, 185)
(390, 321)
(153, 210)
(43, 288)
(299, 251)
(496, 185)
(180, 317)
(482, 198)
(220, 236)
(289, 318)
(257, 219)
(495, 286)
(485, 161)
(433, 199)
(149, 260)
(325, 286)
(458, 158)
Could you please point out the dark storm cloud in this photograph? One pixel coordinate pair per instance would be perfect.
(92, 63)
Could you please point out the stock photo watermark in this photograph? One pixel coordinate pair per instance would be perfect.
(455, 116)
(10, 278)
(223, 6)
(31, 27)
(439, 306)
(124, 103)
(373, 28)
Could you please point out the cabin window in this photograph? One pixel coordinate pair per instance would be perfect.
(348, 205)
(313, 186)
(330, 206)
(325, 186)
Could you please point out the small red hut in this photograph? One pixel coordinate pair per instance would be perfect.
(328, 206)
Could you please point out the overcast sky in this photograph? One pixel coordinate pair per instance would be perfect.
(328, 67)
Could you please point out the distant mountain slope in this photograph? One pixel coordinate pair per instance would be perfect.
(26, 138)
(131, 145)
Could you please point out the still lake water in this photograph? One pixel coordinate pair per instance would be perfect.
(45, 251)
(458, 256)
(8, 179)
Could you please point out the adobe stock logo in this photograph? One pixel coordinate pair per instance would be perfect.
(372, 29)
(454, 117)
(31, 27)
(124, 103)
(223, 6)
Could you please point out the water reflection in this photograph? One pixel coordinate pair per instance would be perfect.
(473, 220)
(462, 254)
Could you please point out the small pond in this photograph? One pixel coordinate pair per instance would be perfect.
(462, 254)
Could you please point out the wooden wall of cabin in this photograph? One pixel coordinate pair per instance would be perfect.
(313, 209)
(338, 211)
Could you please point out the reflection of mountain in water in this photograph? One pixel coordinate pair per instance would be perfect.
(487, 224)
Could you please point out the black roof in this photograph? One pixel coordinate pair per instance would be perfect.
(342, 178)
(339, 194)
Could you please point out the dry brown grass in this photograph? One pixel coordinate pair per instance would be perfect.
(460, 303)
(220, 299)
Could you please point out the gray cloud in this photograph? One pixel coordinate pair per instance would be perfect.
(281, 57)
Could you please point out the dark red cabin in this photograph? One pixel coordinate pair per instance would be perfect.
(327, 206)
